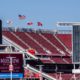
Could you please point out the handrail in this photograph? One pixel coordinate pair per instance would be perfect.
(29, 54)
(62, 44)
(59, 50)
(13, 43)
(42, 73)
(19, 47)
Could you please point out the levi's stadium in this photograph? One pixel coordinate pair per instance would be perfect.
(29, 54)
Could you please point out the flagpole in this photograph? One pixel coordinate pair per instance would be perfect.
(11, 64)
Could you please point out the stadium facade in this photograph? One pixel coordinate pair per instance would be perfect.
(47, 54)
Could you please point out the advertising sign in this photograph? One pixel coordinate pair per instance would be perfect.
(6, 67)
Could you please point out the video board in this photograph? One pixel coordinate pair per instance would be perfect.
(76, 44)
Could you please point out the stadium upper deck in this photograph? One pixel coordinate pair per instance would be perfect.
(49, 46)
(44, 42)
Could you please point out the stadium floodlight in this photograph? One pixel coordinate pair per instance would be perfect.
(68, 23)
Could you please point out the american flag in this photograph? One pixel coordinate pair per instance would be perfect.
(30, 23)
(39, 24)
(22, 17)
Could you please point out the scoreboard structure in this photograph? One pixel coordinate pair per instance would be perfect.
(75, 40)
(76, 44)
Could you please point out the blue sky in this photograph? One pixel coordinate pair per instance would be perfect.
(49, 12)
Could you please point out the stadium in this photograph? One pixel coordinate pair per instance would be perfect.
(43, 54)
